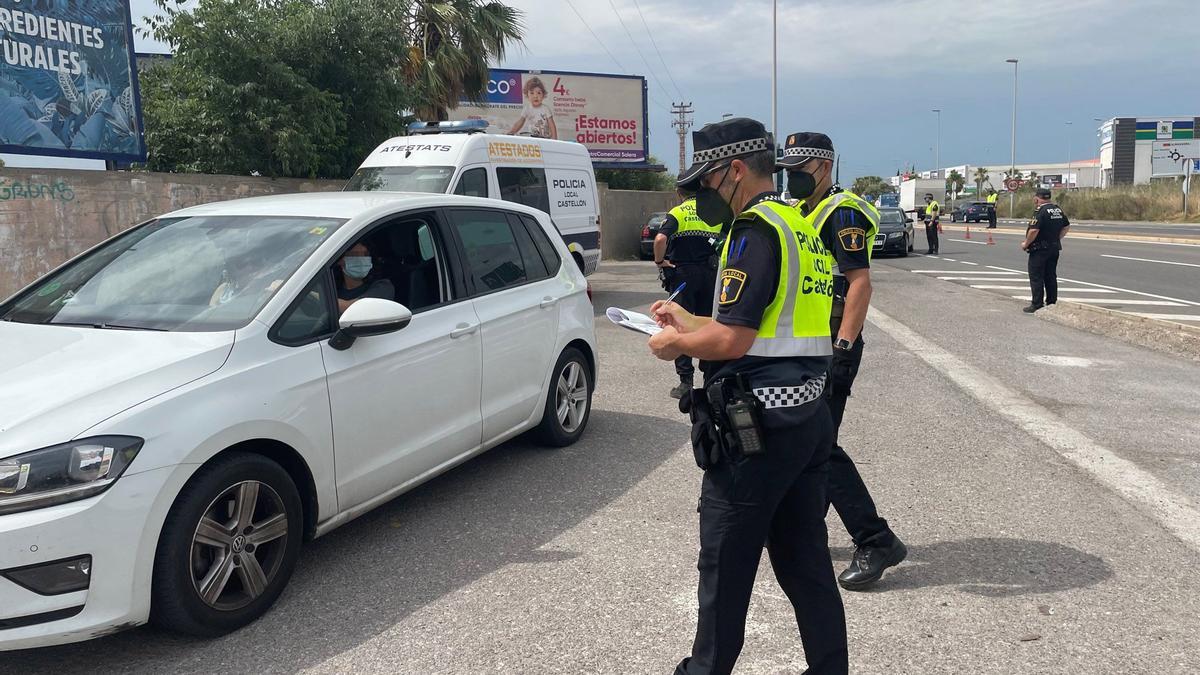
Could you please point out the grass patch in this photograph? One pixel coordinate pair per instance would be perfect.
(1159, 201)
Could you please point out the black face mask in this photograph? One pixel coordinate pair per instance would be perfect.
(711, 207)
(801, 184)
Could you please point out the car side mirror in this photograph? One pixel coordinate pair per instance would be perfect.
(368, 317)
(908, 219)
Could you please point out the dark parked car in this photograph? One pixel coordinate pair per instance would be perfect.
(649, 231)
(973, 212)
(895, 232)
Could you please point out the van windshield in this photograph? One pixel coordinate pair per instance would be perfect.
(433, 179)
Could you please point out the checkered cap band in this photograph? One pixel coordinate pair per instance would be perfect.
(730, 150)
(818, 153)
(790, 397)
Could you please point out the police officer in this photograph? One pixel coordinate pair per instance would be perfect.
(761, 427)
(933, 211)
(685, 251)
(1043, 243)
(992, 197)
(846, 224)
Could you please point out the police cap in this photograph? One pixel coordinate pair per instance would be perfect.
(803, 146)
(720, 141)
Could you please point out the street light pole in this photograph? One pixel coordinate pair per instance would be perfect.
(775, 87)
(937, 154)
(1099, 151)
(1067, 182)
(1012, 196)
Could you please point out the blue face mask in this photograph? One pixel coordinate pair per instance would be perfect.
(357, 267)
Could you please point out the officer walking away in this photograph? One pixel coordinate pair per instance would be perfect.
(761, 428)
(992, 197)
(685, 250)
(933, 212)
(846, 224)
(1043, 243)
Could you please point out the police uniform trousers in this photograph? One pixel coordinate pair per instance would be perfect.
(776, 498)
(1043, 275)
(931, 235)
(847, 492)
(697, 298)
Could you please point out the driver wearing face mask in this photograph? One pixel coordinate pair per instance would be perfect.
(357, 281)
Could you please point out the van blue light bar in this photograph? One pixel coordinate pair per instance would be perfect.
(457, 127)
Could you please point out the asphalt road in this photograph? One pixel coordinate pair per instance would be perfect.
(1182, 230)
(1145, 278)
(1045, 480)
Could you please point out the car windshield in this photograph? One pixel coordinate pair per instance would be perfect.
(205, 273)
(891, 218)
(433, 179)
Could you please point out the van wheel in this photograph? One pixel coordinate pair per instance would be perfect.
(579, 262)
(569, 401)
(228, 546)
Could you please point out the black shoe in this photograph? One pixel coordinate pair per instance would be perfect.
(1031, 309)
(681, 389)
(929, 252)
(869, 563)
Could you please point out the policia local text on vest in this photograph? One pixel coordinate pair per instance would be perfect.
(761, 426)
(685, 251)
(846, 225)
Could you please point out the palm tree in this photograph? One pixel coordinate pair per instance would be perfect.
(452, 43)
(955, 182)
(981, 177)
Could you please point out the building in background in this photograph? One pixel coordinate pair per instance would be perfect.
(1081, 173)
(1133, 150)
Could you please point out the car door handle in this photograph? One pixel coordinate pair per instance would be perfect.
(547, 302)
(463, 330)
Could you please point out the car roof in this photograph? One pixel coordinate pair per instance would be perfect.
(345, 205)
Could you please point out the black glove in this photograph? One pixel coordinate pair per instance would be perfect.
(842, 371)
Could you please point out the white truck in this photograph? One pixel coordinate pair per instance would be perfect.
(913, 191)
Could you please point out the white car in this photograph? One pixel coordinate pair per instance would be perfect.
(183, 405)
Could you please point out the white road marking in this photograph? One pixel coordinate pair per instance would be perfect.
(1114, 301)
(968, 241)
(1022, 288)
(1113, 288)
(1063, 361)
(1164, 262)
(976, 279)
(964, 272)
(1139, 487)
(949, 259)
(969, 263)
(1170, 317)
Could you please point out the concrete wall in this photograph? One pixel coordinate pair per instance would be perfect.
(622, 215)
(48, 216)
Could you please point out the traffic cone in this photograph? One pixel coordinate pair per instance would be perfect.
(968, 231)
(990, 242)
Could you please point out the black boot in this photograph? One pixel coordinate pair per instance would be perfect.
(682, 388)
(1031, 309)
(869, 563)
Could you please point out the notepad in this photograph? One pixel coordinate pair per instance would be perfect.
(634, 321)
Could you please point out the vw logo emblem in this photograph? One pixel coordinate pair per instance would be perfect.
(239, 543)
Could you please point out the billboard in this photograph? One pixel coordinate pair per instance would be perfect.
(606, 113)
(68, 86)
(1170, 158)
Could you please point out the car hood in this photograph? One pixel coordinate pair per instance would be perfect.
(60, 381)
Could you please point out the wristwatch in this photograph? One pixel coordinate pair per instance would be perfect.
(843, 344)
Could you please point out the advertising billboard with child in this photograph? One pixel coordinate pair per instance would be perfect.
(68, 83)
(606, 113)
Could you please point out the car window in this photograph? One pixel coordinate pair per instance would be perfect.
(535, 267)
(524, 186)
(493, 256)
(309, 318)
(401, 179)
(473, 183)
(549, 253)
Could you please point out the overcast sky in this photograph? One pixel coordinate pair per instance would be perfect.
(868, 72)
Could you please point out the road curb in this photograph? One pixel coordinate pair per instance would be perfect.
(1076, 234)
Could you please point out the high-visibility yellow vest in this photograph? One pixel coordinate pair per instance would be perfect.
(820, 215)
(690, 224)
(992, 198)
(796, 323)
(931, 207)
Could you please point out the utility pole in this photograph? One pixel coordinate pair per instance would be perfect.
(682, 123)
(1067, 180)
(1012, 196)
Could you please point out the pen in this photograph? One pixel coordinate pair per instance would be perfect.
(677, 290)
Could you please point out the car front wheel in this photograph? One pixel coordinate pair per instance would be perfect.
(228, 547)
(569, 401)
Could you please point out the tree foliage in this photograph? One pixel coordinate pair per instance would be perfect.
(302, 88)
(629, 179)
(871, 185)
(981, 177)
(955, 182)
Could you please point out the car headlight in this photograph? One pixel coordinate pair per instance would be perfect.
(895, 235)
(64, 473)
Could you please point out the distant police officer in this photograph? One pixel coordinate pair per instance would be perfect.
(1043, 243)
(685, 251)
(992, 197)
(761, 428)
(846, 224)
(933, 212)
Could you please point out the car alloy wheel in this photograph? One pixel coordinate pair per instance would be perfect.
(571, 396)
(239, 545)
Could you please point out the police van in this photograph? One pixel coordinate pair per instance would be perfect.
(461, 158)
